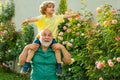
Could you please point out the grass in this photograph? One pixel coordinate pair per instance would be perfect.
(12, 76)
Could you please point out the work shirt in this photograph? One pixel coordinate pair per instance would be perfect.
(44, 65)
(50, 23)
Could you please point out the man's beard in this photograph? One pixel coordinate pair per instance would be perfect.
(45, 44)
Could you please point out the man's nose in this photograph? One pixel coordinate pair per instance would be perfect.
(46, 36)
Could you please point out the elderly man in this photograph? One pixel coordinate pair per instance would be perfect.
(44, 61)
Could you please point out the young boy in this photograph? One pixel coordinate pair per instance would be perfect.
(47, 20)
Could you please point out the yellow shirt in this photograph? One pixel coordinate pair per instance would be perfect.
(52, 23)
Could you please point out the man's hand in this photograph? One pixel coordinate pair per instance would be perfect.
(56, 46)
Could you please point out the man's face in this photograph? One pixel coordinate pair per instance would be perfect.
(46, 38)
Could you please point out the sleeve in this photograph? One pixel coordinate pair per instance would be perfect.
(40, 21)
(36, 22)
(60, 18)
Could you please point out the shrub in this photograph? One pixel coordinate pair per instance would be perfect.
(12, 42)
(94, 46)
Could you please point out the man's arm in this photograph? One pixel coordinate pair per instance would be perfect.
(66, 55)
(23, 56)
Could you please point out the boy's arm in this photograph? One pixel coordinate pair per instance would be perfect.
(71, 15)
(29, 20)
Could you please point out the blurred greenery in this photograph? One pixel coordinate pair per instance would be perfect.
(94, 45)
(12, 75)
(12, 41)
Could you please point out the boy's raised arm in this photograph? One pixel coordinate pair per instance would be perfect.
(71, 15)
(29, 20)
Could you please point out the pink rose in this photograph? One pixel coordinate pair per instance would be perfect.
(109, 60)
(100, 78)
(99, 65)
(68, 30)
(69, 44)
(118, 59)
(106, 23)
(111, 64)
(117, 38)
(96, 62)
(64, 28)
(61, 33)
(113, 11)
(114, 21)
(1, 32)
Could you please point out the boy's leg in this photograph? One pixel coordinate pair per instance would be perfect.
(59, 63)
(26, 66)
(58, 59)
(30, 55)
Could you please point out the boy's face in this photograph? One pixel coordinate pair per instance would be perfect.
(50, 9)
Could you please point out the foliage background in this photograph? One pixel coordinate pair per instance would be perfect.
(12, 41)
(94, 45)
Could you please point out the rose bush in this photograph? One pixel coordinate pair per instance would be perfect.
(95, 47)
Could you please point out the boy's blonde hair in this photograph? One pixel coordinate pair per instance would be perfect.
(44, 6)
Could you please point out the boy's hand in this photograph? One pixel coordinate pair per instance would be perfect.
(76, 15)
(24, 22)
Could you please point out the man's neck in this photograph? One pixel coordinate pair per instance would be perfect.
(44, 48)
